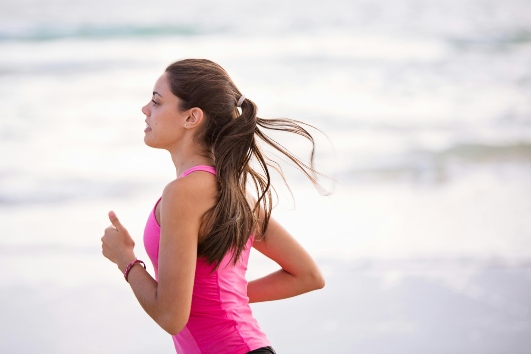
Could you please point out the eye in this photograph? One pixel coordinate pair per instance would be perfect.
(154, 102)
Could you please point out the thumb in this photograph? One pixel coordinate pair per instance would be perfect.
(114, 220)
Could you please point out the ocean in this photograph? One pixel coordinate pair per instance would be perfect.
(425, 117)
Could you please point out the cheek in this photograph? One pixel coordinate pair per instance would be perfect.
(161, 118)
(164, 129)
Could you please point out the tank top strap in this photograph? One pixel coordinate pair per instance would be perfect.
(204, 168)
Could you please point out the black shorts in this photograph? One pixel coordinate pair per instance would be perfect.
(263, 350)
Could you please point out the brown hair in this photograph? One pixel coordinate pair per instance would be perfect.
(231, 139)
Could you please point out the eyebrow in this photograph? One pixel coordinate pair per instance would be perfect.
(156, 93)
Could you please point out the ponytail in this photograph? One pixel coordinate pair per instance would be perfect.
(231, 220)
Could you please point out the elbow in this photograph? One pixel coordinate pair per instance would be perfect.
(319, 281)
(173, 330)
(316, 280)
(174, 324)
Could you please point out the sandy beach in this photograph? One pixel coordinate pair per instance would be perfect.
(408, 306)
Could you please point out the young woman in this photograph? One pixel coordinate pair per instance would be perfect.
(200, 231)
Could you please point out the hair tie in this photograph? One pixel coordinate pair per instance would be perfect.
(240, 101)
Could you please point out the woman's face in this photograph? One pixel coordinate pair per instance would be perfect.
(163, 118)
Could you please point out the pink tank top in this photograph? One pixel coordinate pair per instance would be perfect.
(221, 320)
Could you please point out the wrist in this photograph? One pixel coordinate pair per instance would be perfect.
(124, 262)
(130, 265)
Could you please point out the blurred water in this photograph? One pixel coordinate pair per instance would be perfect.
(426, 103)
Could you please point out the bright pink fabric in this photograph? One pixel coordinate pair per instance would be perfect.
(221, 320)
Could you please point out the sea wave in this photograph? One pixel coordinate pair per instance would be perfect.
(437, 167)
(41, 249)
(31, 191)
(54, 32)
(496, 40)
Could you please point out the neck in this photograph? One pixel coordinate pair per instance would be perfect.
(184, 159)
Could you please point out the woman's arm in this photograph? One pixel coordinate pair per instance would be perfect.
(168, 301)
(298, 274)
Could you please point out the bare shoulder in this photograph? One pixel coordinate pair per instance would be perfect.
(197, 191)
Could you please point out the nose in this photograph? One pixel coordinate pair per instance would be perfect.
(145, 109)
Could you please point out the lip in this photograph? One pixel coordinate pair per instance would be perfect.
(148, 128)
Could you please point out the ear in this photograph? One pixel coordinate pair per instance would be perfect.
(195, 117)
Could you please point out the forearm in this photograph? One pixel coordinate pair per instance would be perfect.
(282, 285)
(168, 299)
(145, 289)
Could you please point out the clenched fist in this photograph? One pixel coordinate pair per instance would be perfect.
(117, 244)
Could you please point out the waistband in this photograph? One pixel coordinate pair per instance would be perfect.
(263, 350)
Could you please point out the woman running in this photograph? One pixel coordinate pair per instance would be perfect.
(201, 229)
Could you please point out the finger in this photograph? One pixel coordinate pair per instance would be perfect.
(114, 220)
(111, 228)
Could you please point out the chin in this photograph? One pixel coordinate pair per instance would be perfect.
(148, 142)
(152, 144)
